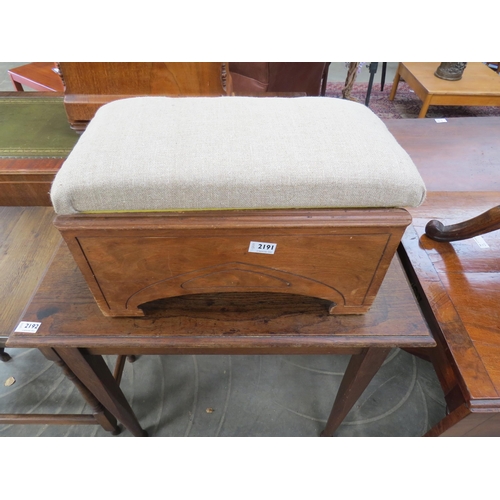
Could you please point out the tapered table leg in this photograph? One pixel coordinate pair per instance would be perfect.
(361, 369)
(96, 376)
(397, 78)
(102, 416)
(425, 106)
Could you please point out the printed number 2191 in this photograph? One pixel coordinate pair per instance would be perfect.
(262, 247)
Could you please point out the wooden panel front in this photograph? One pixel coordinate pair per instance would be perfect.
(317, 256)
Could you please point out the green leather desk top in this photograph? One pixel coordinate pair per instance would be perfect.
(34, 128)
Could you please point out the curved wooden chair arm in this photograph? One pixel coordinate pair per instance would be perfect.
(484, 223)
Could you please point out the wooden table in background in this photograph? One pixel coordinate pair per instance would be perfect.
(28, 240)
(459, 288)
(75, 330)
(462, 154)
(37, 76)
(479, 86)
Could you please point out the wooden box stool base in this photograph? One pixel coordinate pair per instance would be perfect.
(174, 196)
(333, 254)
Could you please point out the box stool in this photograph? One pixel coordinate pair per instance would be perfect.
(164, 197)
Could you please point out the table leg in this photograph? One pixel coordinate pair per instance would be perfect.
(425, 106)
(96, 376)
(17, 85)
(395, 84)
(361, 369)
(100, 414)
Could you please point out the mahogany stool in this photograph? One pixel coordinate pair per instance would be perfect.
(164, 197)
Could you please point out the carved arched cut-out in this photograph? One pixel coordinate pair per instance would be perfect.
(234, 277)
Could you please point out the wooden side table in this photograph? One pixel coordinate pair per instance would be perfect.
(459, 288)
(72, 326)
(28, 241)
(479, 86)
(38, 76)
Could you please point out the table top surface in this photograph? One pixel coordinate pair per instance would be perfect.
(41, 74)
(69, 317)
(477, 79)
(461, 281)
(27, 242)
(461, 154)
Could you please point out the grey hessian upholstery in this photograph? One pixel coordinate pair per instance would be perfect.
(161, 153)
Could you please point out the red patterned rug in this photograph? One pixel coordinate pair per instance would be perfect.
(406, 104)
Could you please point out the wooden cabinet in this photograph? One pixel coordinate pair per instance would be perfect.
(90, 85)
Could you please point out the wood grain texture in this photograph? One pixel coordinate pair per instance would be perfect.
(459, 284)
(27, 243)
(27, 182)
(219, 323)
(72, 325)
(479, 85)
(462, 154)
(359, 373)
(337, 255)
(90, 85)
(38, 76)
(480, 224)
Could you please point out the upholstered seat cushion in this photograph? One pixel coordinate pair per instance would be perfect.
(161, 153)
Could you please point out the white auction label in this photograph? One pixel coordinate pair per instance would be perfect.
(27, 326)
(261, 247)
(480, 241)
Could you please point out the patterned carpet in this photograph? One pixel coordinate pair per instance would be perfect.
(249, 396)
(406, 104)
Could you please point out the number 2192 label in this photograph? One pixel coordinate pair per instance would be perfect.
(261, 247)
(27, 327)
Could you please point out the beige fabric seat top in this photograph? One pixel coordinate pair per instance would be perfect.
(161, 153)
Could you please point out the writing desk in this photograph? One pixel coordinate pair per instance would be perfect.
(73, 328)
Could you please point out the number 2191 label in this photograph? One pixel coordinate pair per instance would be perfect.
(261, 247)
